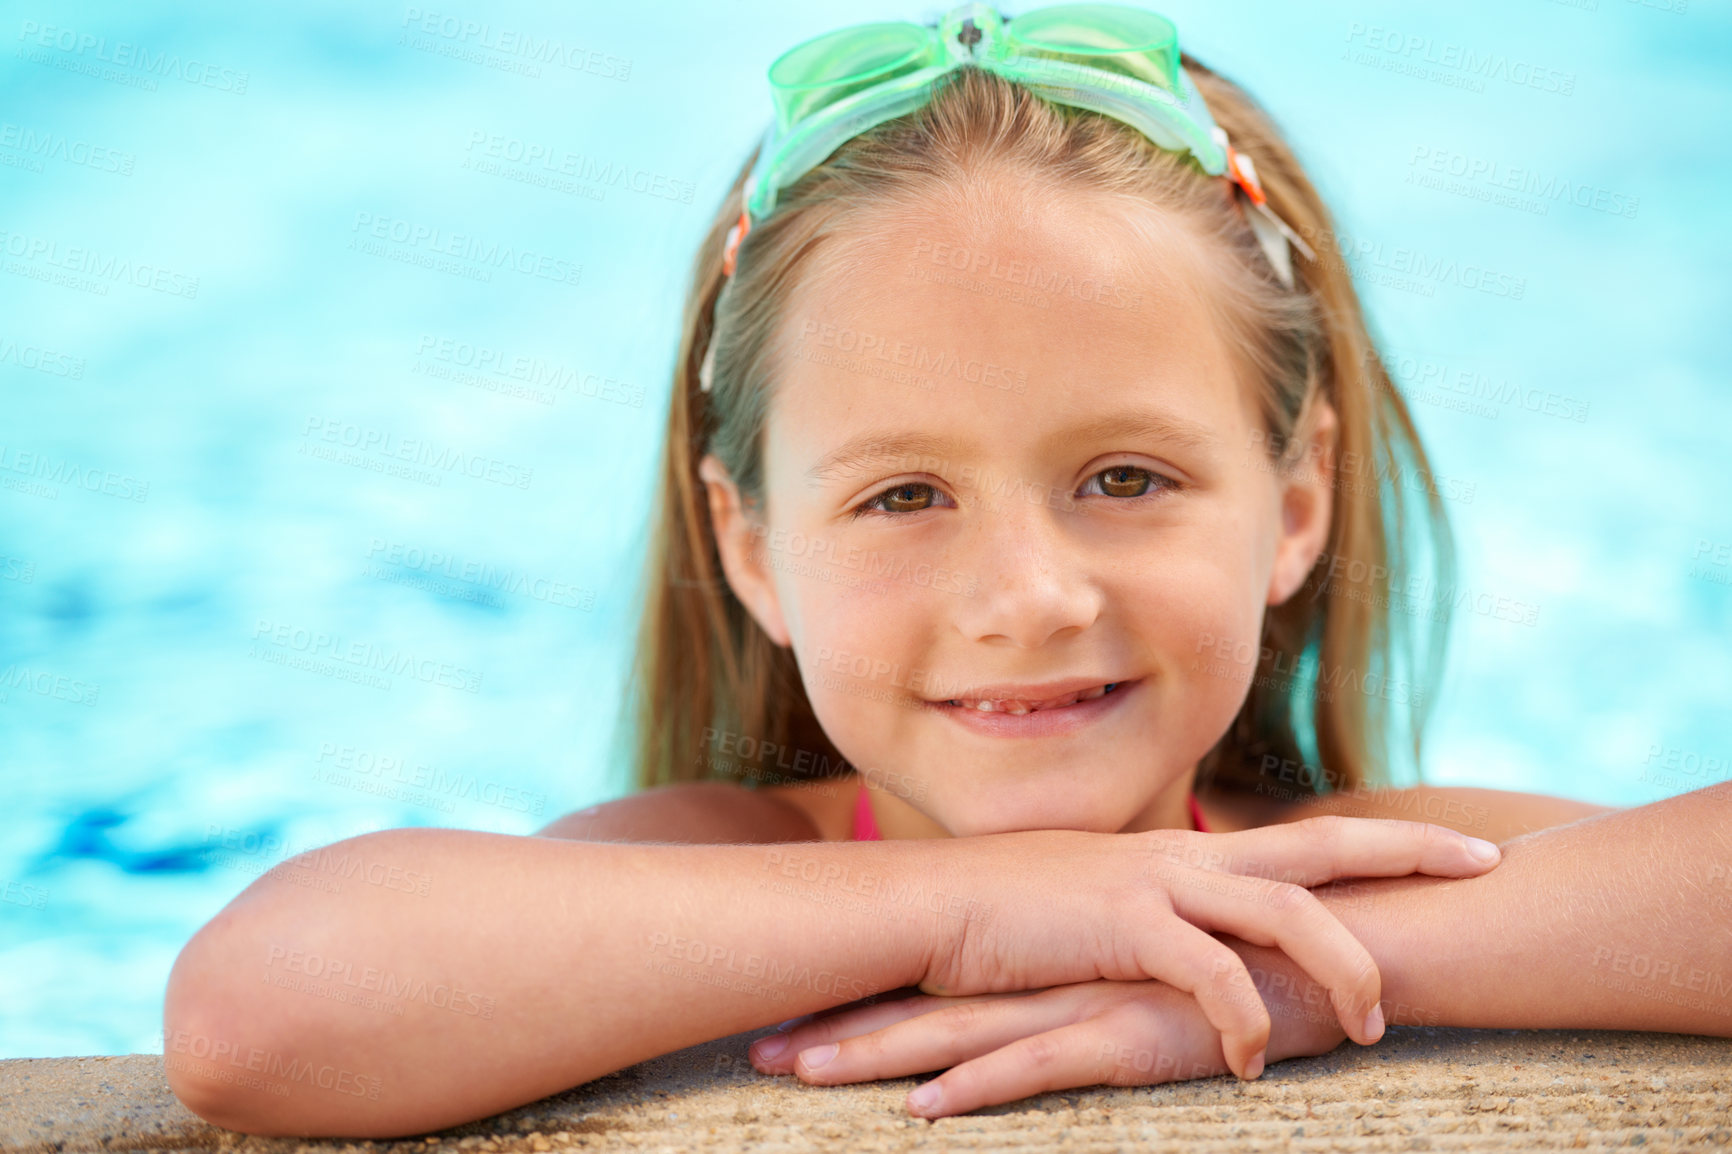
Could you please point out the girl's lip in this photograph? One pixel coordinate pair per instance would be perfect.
(1040, 722)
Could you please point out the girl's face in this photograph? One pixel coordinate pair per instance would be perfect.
(1010, 458)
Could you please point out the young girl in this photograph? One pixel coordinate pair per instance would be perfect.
(1034, 509)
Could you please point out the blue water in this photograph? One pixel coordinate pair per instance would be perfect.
(237, 306)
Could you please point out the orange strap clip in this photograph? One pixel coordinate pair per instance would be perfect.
(731, 250)
(1244, 174)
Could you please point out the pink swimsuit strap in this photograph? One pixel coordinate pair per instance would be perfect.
(866, 826)
(1197, 814)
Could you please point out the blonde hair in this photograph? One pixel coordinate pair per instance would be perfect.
(703, 665)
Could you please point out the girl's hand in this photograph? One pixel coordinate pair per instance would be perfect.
(1004, 1047)
(1141, 906)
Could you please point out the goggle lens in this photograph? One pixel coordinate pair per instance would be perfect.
(811, 77)
(1127, 41)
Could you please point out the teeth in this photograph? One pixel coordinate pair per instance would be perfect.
(1017, 707)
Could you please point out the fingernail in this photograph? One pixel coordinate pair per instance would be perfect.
(925, 1097)
(1374, 1023)
(819, 1056)
(769, 1049)
(1482, 850)
(1255, 1068)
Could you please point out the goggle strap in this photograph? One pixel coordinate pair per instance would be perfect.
(731, 249)
(1242, 171)
(707, 370)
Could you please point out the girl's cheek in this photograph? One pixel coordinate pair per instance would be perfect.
(1205, 630)
(859, 649)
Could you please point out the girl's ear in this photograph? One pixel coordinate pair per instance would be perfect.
(1307, 502)
(740, 540)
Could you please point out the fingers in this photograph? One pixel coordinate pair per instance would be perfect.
(1321, 849)
(877, 1025)
(1081, 1054)
(1183, 956)
(935, 1040)
(1268, 913)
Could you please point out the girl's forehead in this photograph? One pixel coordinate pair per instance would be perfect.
(1005, 233)
(1096, 288)
(985, 332)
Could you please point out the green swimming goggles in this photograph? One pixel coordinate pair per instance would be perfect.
(1116, 60)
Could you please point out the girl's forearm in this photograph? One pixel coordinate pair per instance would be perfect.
(1619, 921)
(411, 979)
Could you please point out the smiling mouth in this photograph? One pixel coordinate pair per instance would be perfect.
(990, 705)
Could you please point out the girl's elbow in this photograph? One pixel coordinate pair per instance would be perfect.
(219, 1036)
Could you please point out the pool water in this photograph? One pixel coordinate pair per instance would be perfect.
(316, 517)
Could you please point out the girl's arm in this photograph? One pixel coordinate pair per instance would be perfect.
(694, 813)
(411, 979)
(1617, 921)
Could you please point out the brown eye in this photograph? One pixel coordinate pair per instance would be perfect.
(908, 498)
(1125, 481)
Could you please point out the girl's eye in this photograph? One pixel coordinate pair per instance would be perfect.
(1130, 481)
(910, 497)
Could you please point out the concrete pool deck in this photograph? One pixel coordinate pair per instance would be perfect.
(1417, 1089)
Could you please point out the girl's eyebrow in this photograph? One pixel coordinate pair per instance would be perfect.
(860, 452)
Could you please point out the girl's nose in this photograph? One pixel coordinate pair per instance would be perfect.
(1028, 581)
